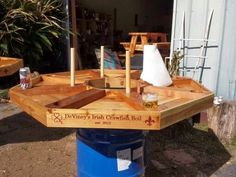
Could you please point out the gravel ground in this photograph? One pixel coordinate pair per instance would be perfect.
(28, 149)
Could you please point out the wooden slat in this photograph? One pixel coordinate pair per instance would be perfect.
(110, 102)
(52, 79)
(51, 89)
(33, 108)
(185, 110)
(110, 83)
(174, 92)
(85, 118)
(163, 101)
(133, 100)
(139, 47)
(133, 44)
(47, 99)
(79, 100)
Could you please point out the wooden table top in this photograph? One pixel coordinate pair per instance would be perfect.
(97, 102)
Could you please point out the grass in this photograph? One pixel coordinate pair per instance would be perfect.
(4, 94)
(203, 127)
(231, 146)
(233, 142)
(209, 143)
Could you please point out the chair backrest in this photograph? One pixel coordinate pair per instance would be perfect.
(111, 60)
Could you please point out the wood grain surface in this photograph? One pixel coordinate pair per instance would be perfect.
(94, 103)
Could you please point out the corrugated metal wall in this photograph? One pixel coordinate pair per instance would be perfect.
(221, 54)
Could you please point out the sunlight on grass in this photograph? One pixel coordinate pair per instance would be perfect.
(4, 94)
(229, 146)
(203, 127)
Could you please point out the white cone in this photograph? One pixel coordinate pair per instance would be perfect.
(154, 69)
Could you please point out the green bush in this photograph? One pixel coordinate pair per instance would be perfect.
(31, 28)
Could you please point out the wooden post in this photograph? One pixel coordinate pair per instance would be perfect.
(222, 120)
(72, 67)
(102, 62)
(127, 65)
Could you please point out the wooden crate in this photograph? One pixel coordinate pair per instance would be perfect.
(102, 103)
(9, 66)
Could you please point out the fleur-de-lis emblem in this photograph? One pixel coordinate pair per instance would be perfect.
(149, 121)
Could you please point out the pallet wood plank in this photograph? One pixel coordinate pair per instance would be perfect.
(51, 89)
(86, 118)
(133, 100)
(79, 100)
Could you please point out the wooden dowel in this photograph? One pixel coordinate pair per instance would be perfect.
(72, 67)
(127, 66)
(102, 62)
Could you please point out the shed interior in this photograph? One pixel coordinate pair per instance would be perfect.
(109, 22)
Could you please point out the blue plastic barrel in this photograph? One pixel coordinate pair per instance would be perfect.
(110, 153)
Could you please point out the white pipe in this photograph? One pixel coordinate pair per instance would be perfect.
(173, 29)
(195, 56)
(195, 40)
(181, 36)
(205, 42)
